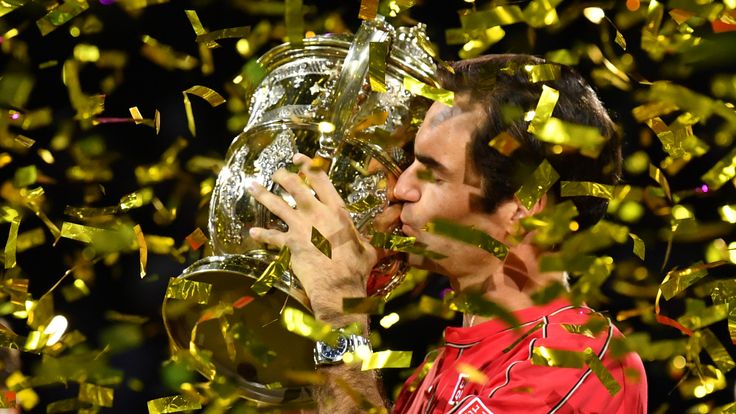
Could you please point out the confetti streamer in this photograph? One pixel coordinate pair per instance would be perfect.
(95, 394)
(545, 107)
(273, 272)
(585, 138)
(468, 235)
(188, 290)
(294, 22)
(370, 305)
(368, 9)
(321, 243)
(657, 175)
(721, 172)
(378, 52)
(639, 246)
(586, 188)
(173, 404)
(472, 373)
(304, 325)
(717, 352)
(538, 183)
(504, 143)
(196, 239)
(60, 15)
(601, 372)
(543, 72)
(142, 248)
(11, 245)
(422, 89)
(387, 359)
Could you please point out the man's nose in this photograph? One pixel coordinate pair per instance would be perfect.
(406, 186)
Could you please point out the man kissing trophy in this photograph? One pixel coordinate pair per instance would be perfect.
(349, 102)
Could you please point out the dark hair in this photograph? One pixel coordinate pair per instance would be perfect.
(500, 83)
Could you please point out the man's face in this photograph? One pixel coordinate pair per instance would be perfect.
(441, 183)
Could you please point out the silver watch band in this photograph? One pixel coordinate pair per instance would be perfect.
(324, 354)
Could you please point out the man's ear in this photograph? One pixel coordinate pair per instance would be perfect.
(522, 212)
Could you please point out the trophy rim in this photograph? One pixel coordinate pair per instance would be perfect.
(234, 264)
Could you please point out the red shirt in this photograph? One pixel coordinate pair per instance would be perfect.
(513, 383)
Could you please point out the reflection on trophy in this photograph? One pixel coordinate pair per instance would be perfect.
(342, 99)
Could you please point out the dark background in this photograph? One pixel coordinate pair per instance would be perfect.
(139, 350)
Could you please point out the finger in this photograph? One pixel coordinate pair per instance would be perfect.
(268, 236)
(319, 181)
(297, 188)
(272, 202)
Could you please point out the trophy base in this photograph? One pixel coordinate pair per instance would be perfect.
(239, 334)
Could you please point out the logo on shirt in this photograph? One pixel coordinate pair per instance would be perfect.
(457, 392)
(474, 406)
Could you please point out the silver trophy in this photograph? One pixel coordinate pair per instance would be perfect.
(319, 98)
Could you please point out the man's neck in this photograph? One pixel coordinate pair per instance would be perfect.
(510, 285)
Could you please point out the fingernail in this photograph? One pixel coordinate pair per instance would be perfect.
(253, 232)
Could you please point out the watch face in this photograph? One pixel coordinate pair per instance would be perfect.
(334, 353)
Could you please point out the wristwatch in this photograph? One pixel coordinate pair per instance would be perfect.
(325, 354)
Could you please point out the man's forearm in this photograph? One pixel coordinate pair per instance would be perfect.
(348, 389)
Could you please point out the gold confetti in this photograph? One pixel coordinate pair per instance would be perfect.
(372, 305)
(188, 290)
(468, 235)
(368, 9)
(678, 280)
(273, 272)
(538, 183)
(387, 359)
(586, 188)
(95, 394)
(136, 114)
(601, 372)
(721, 172)
(422, 89)
(699, 318)
(198, 28)
(585, 138)
(472, 374)
(435, 307)
(142, 248)
(294, 21)
(321, 243)
(305, 325)
(639, 246)
(657, 175)
(165, 56)
(11, 244)
(60, 15)
(196, 239)
(389, 320)
(173, 404)
(717, 352)
(30, 239)
(542, 72)
(378, 52)
(504, 143)
(552, 224)
(562, 358)
(545, 107)
(476, 304)
(497, 16)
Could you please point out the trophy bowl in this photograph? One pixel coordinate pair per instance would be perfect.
(319, 98)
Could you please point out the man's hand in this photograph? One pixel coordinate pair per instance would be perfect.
(326, 280)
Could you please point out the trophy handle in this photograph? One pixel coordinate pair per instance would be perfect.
(349, 83)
